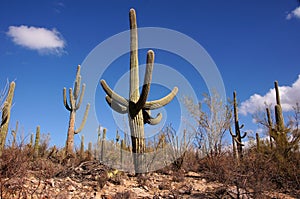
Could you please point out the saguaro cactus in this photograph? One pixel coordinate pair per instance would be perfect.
(14, 134)
(37, 142)
(103, 144)
(81, 152)
(237, 138)
(137, 108)
(75, 102)
(6, 115)
(279, 131)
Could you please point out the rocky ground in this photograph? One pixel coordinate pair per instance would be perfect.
(92, 180)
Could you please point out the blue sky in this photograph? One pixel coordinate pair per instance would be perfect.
(252, 43)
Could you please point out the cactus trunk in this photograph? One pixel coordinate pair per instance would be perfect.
(71, 133)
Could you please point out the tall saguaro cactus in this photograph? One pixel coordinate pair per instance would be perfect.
(279, 131)
(6, 115)
(237, 138)
(137, 107)
(73, 106)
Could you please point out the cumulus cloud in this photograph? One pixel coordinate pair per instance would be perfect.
(294, 14)
(289, 95)
(36, 38)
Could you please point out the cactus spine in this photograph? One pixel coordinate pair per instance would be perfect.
(6, 115)
(137, 107)
(73, 106)
(237, 138)
(37, 142)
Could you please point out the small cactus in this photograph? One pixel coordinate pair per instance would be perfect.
(103, 144)
(81, 152)
(14, 134)
(90, 153)
(257, 142)
(37, 142)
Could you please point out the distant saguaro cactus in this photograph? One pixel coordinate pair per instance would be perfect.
(37, 142)
(81, 152)
(6, 115)
(14, 134)
(103, 144)
(237, 138)
(137, 107)
(279, 131)
(73, 106)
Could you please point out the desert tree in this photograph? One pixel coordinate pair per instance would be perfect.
(213, 118)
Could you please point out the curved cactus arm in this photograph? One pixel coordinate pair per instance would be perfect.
(156, 120)
(147, 81)
(237, 141)
(242, 126)
(84, 119)
(80, 98)
(65, 99)
(230, 131)
(243, 136)
(116, 97)
(77, 86)
(115, 106)
(161, 102)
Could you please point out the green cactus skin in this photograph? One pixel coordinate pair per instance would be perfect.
(37, 142)
(237, 137)
(75, 102)
(6, 115)
(137, 108)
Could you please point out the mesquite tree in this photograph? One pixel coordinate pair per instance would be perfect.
(137, 107)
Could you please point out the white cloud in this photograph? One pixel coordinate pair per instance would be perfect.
(289, 95)
(294, 14)
(36, 38)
